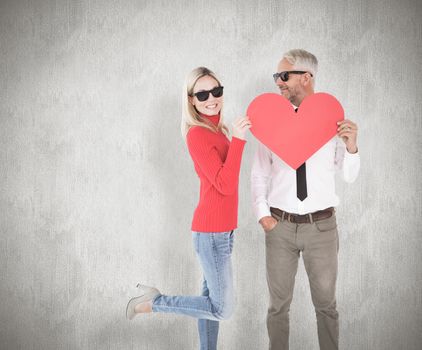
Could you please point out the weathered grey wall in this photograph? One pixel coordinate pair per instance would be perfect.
(97, 188)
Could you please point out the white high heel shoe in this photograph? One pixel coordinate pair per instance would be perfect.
(148, 293)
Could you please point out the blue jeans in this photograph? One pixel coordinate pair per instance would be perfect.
(217, 299)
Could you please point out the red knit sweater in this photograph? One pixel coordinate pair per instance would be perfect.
(217, 163)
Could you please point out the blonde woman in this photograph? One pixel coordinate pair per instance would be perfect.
(217, 163)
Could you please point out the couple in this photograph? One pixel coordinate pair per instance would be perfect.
(294, 207)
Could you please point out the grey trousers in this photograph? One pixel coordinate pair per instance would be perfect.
(319, 245)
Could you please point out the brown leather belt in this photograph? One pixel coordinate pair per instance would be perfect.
(302, 219)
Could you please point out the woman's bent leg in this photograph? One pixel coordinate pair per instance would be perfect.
(214, 253)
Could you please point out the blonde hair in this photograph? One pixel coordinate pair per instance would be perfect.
(301, 59)
(190, 116)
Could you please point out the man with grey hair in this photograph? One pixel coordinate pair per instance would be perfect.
(296, 210)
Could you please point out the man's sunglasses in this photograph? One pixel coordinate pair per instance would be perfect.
(204, 95)
(284, 76)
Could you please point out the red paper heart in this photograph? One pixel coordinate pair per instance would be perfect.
(295, 137)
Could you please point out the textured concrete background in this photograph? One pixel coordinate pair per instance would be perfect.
(97, 188)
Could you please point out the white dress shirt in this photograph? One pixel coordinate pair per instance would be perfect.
(274, 182)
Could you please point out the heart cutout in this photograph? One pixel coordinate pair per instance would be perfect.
(295, 137)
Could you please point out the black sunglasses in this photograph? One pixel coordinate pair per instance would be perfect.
(204, 95)
(284, 76)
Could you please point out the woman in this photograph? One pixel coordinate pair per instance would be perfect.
(217, 163)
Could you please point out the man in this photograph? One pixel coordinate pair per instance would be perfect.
(296, 210)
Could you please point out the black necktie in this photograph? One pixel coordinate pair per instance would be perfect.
(301, 190)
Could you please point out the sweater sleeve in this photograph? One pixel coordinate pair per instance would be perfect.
(224, 176)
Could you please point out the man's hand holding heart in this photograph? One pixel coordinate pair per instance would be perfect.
(348, 131)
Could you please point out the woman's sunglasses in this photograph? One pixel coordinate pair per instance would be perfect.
(204, 95)
(284, 76)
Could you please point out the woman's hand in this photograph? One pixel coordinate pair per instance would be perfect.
(240, 125)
